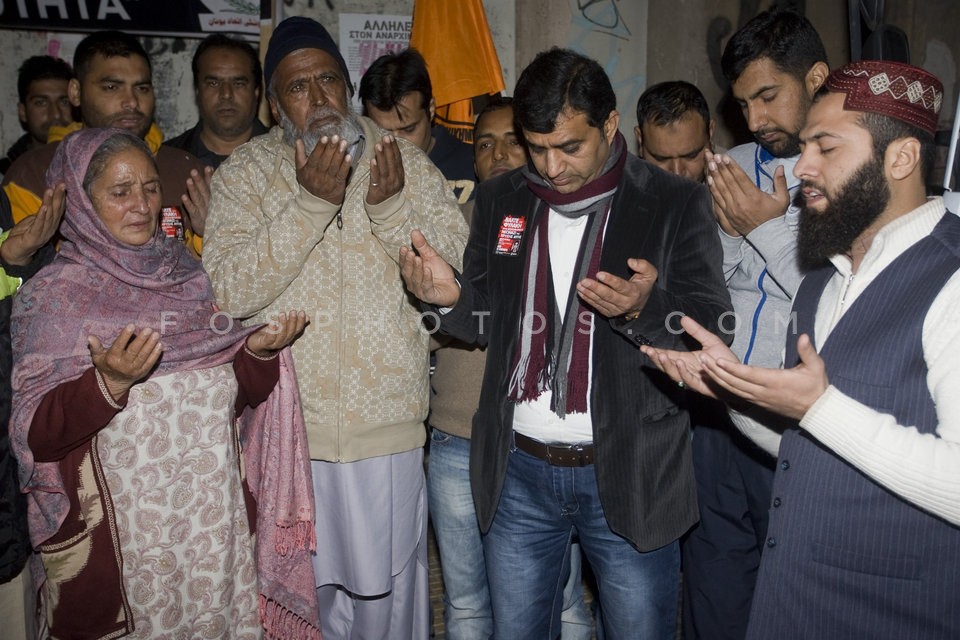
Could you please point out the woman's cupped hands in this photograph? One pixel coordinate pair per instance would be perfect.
(281, 331)
(128, 360)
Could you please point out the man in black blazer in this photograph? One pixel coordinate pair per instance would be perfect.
(573, 261)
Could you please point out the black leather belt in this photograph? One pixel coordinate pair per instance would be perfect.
(559, 455)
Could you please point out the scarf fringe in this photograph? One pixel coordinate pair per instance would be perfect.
(290, 538)
(526, 383)
(576, 398)
(515, 386)
(279, 623)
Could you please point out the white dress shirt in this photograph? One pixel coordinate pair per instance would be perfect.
(534, 418)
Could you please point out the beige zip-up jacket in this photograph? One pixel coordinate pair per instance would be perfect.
(270, 246)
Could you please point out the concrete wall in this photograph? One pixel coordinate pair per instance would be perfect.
(613, 32)
(686, 38)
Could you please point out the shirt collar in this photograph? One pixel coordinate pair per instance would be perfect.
(763, 155)
(895, 237)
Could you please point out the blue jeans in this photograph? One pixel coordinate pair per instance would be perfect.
(541, 507)
(467, 613)
(466, 598)
(576, 619)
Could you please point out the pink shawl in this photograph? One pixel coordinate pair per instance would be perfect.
(96, 286)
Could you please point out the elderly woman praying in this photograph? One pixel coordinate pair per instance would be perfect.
(127, 381)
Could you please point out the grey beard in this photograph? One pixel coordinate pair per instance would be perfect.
(347, 127)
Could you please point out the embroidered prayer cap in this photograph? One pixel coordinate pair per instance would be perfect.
(297, 33)
(894, 89)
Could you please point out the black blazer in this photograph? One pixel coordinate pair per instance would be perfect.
(641, 436)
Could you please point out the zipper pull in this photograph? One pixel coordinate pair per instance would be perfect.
(340, 220)
(846, 289)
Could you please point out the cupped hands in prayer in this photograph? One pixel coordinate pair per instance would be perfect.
(716, 372)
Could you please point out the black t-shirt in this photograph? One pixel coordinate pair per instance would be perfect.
(190, 141)
(455, 161)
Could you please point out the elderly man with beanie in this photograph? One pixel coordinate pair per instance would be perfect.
(314, 213)
(864, 533)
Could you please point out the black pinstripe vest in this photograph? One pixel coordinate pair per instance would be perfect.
(845, 557)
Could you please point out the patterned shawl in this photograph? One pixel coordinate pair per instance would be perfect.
(96, 286)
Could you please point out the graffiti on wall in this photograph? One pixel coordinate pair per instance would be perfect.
(175, 109)
(607, 31)
(197, 17)
(603, 16)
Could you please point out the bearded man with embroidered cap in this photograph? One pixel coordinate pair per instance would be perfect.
(316, 210)
(572, 262)
(864, 534)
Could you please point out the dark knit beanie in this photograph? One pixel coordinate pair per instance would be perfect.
(296, 33)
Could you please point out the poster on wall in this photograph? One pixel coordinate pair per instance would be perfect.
(181, 18)
(364, 37)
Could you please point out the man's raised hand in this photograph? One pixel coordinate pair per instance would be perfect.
(196, 199)
(743, 206)
(281, 331)
(426, 274)
(30, 234)
(686, 367)
(325, 172)
(386, 171)
(614, 296)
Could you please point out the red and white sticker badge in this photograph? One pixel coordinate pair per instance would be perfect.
(510, 235)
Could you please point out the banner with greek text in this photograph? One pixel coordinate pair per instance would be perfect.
(181, 17)
(364, 37)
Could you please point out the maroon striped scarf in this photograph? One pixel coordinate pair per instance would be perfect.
(554, 348)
